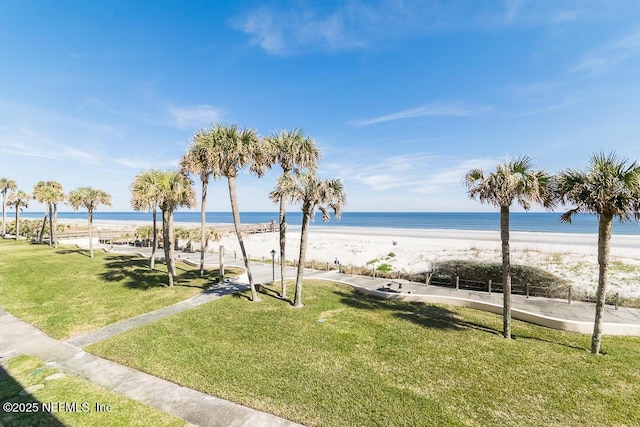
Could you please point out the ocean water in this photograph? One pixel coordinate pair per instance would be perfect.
(520, 221)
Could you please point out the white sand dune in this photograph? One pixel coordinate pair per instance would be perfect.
(572, 256)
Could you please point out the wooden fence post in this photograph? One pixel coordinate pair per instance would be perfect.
(569, 294)
(489, 286)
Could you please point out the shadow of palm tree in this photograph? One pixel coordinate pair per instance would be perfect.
(12, 393)
(426, 315)
(558, 342)
(136, 274)
(84, 252)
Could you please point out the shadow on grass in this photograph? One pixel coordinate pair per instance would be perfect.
(84, 252)
(135, 273)
(554, 342)
(13, 395)
(426, 315)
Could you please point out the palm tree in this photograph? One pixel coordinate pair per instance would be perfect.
(49, 193)
(199, 161)
(609, 188)
(18, 201)
(90, 199)
(174, 190)
(314, 193)
(6, 185)
(233, 149)
(144, 196)
(517, 181)
(293, 150)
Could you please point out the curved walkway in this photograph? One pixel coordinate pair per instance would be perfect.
(552, 313)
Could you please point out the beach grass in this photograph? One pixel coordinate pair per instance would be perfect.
(63, 292)
(348, 359)
(52, 399)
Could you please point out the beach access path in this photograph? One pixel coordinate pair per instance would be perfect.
(19, 337)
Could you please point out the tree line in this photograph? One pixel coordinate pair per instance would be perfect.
(609, 188)
(219, 151)
(222, 151)
(51, 194)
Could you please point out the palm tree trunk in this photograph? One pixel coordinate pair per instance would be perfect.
(51, 238)
(283, 242)
(166, 244)
(152, 263)
(236, 222)
(55, 218)
(605, 224)
(203, 220)
(304, 234)
(506, 271)
(91, 233)
(4, 213)
(44, 223)
(17, 221)
(172, 255)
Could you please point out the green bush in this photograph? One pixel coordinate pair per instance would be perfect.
(540, 281)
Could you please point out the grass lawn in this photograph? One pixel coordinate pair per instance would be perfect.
(64, 292)
(350, 360)
(26, 371)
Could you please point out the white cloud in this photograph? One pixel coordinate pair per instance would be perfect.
(450, 178)
(420, 173)
(610, 55)
(564, 104)
(28, 143)
(146, 164)
(436, 109)
(352, 25)
(193, 117)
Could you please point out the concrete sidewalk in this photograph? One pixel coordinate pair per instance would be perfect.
(18, 337)
(553, 313)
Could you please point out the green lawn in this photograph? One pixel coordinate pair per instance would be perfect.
(64, 292)
(26, 371)
(349, 360)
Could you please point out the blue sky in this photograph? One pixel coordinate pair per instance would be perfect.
(402, 97)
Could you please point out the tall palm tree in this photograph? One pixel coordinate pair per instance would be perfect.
(293, 150)
(233, 149)
(144, 196)
(174, 190)
(19, 200)
(610, 187)
(513, 181)
(199, 161)
(49, 193)
(6, 185)
(315, 193)
(90, 199)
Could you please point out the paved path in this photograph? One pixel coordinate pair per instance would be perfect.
(16, 337)
(556, 313)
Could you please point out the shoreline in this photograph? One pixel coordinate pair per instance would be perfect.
(364, 230)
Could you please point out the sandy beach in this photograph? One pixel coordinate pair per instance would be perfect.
(571, 256)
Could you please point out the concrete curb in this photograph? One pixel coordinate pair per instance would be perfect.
(582, 327)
